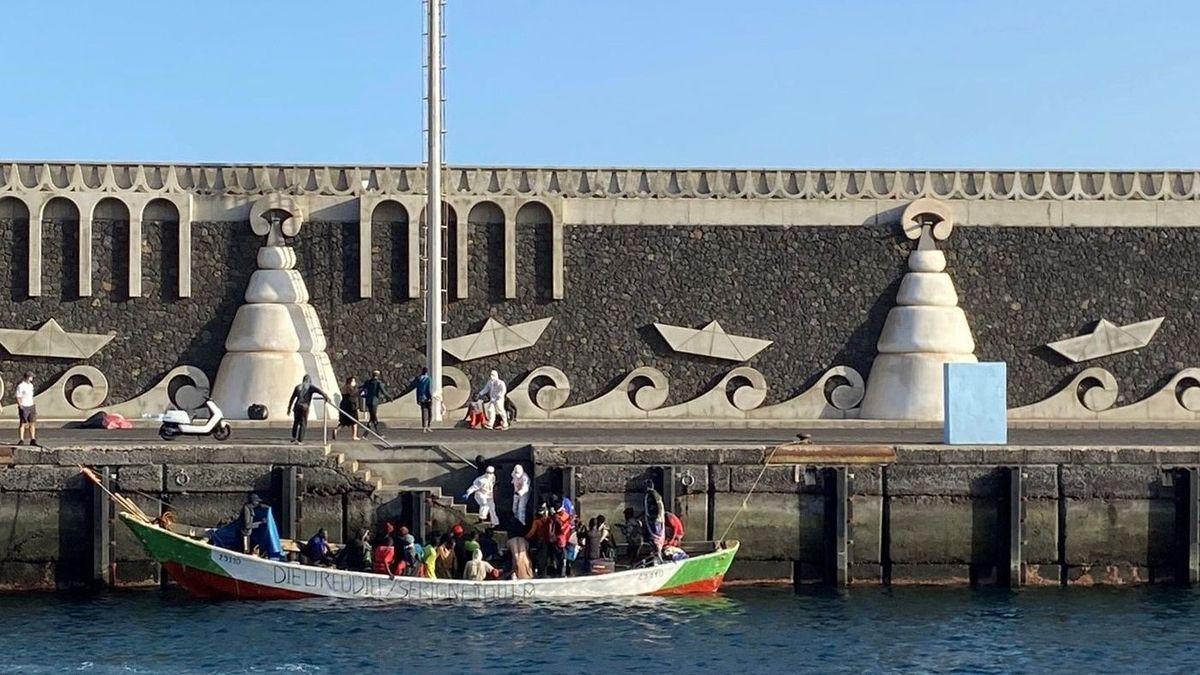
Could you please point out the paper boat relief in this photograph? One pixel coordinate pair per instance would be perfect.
(50, 340)
(711, 341)
(1107, 338)
(495, 338)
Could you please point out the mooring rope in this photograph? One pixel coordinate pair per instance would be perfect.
(766, 465)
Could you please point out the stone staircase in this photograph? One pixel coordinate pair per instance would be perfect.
(429, 469)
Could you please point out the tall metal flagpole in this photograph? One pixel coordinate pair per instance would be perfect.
(433, 209)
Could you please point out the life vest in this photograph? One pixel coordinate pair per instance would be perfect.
(382, 559)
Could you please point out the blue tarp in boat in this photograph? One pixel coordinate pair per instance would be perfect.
(265, 536)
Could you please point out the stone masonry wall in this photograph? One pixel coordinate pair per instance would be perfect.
(46, 509)
(820, 293)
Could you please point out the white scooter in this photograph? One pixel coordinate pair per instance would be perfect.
(179, 423)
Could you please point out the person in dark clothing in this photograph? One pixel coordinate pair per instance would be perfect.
(355, 556)
(348, 409)
(316, 551)
(424, 390)
(374, 392)
(250, 520)
(298, 405)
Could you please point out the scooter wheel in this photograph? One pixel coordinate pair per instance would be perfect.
(222, 431)
(167, 433)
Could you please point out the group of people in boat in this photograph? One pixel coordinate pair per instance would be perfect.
(557, 543)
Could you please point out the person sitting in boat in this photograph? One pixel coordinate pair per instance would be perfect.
(477, 569)
(316, 551)
(445, 558)
(383, 558)
(464, 546)
(355, 556)
(674, 534)
(429, 561)
(538, 537)
(410, 561)
(633, 531)
(595, 542)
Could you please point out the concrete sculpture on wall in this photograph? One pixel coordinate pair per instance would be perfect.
(276, 337)
(924, 330)
(495, 338)
(82, 391)
(1107, 339)
(711, 341)
(51, 341)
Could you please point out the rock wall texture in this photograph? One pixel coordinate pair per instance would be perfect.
(820, 293)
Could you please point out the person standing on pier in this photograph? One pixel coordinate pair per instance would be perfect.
(348, 409)
(26, 410)
(495, 392)
(298, 405)
(374, 392)
(423, 387)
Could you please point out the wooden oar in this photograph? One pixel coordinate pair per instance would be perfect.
(120, 500)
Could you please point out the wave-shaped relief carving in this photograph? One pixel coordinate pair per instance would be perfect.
(1091, 395)
(82, 391)
(454, 397)
(737, 395)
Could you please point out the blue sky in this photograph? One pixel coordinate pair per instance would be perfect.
(792, 83)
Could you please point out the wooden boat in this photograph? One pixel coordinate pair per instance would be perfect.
(207, 571)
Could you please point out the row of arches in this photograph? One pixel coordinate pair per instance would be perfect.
(76, 216)
(525, 236)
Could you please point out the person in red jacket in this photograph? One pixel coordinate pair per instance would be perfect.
(383, 558)
(674, 530)
(561, 527)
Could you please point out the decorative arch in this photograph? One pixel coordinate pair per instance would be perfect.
(450, 225)
(64, 213)
(489, 217)
(109, 216)
(391, 228)
(163, 215)
(536, 220)
(14, 211)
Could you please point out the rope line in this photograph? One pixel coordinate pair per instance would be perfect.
(766, 465)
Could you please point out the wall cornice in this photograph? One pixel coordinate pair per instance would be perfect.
(626, 183)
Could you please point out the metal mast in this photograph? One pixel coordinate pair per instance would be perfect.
(433, 207)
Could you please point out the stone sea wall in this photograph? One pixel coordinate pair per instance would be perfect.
(819, 293)
(47, 517)
(934, 516)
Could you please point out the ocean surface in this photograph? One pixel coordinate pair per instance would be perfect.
(1150, 630)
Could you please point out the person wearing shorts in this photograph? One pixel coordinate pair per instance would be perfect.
(26, 410)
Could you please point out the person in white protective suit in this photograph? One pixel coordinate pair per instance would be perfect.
(520, 483)
(494, 393)
(484, 489)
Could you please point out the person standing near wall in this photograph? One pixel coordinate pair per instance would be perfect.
(374, 392)
(298, 405)
(26, 410)
(424, 390)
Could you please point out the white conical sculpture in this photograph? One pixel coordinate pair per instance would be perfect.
(276, 337)
(925, 329)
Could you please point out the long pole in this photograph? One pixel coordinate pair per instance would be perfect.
(433, 209)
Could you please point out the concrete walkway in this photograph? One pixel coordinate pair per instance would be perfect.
(466, 439)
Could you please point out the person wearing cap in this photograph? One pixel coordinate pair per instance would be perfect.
(484, 489)
(250, 519)
(538, 538)
(520, 503)
(495, 392)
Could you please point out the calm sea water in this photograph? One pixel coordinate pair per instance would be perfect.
(750, 630)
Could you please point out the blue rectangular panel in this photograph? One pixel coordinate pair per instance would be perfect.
(976, 403)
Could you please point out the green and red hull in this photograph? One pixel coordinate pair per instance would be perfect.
(210, 572)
